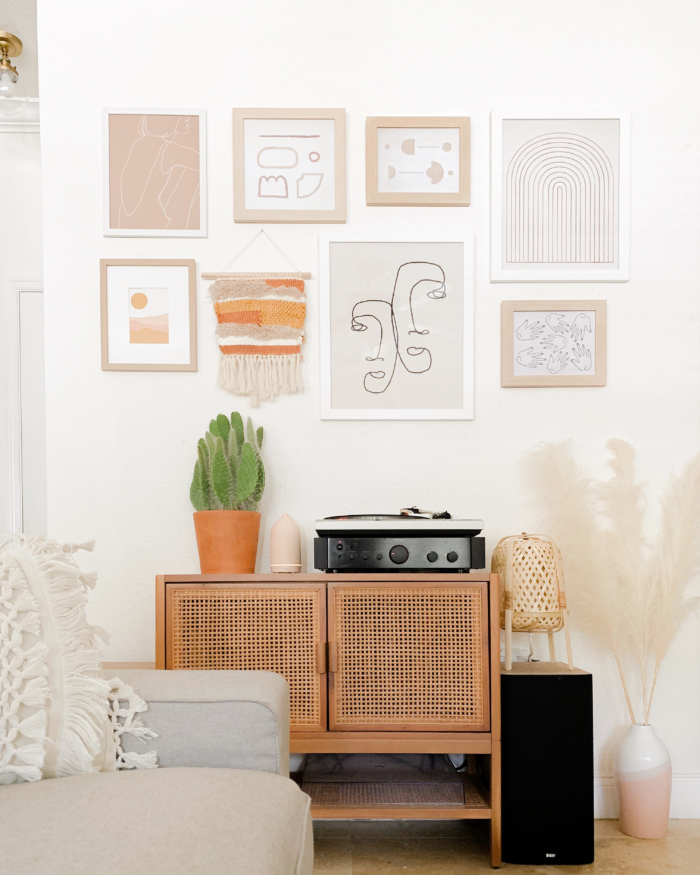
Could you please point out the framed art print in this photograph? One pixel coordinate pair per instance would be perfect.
(155, 173)
(560, 196)
(553, 343)
(397, 336)
(289, 165)
(149, 314)
(418, 162)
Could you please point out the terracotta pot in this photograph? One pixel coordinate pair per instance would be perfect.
(227, 540)
(643, 772)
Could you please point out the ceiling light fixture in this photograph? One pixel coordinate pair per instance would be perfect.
(13, 95)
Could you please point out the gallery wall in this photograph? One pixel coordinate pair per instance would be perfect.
(121, 446)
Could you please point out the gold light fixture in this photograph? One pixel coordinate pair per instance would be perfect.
(13, 95)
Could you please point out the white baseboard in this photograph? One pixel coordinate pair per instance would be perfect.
(685, 797)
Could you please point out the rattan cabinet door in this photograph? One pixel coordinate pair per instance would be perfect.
(408, 656)
(280, 628)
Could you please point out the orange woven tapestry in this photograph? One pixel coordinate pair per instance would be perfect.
(260, 331)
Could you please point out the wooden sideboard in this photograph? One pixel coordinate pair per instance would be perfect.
(376, 664)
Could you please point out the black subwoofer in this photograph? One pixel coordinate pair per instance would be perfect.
(547, 766)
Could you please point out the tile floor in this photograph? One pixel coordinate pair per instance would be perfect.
(375, 847)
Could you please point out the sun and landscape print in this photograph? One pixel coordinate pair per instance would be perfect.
(148, 316)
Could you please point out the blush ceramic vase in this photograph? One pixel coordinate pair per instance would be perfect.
(285, 546)
(643, 773)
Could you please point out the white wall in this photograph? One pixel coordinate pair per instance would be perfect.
(20, 255)
(121, 446)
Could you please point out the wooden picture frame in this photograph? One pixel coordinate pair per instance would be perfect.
(554, 349)
(287, 193)
(182, 354)
(162, 162)
(560, 195)
(416, 198)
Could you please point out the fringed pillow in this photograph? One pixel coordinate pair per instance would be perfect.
(260, 331)
(58, 715)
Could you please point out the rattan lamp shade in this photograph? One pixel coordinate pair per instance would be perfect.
(532, 597)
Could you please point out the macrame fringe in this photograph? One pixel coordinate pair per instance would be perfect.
(125, 706)
(84, 691)
(262, 377)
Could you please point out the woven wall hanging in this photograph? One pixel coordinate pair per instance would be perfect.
(260, 329)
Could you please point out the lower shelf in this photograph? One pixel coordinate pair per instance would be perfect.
(408, 787)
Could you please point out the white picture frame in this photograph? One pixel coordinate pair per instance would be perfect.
(599, 240)
(391, 258)
(176, 179)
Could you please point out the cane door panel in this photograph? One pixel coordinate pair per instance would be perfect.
(279, 628)
(408, 656)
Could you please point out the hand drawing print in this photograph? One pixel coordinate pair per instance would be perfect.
(396, 323)
(154, 172)
(554, 343)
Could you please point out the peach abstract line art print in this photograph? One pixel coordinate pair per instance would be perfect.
(148, 316)
(154, 172)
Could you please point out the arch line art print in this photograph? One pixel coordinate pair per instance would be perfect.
(396, 331)
(560, 202)
(560, 184)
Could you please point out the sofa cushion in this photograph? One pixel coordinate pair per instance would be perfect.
(181, 821)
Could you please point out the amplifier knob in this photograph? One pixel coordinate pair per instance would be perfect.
(352, 555)
(398, 554)
(432, 556)
(452, 556)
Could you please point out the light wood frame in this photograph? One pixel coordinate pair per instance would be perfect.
(510, 380)
(190, 264)
(460, 198)
(154, 232)
(486, 744)
(582, 274)
(466, 411)
(242, 214)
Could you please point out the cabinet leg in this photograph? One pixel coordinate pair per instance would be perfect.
(509, 639)
(552, 649)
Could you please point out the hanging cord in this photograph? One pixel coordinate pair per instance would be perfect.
(229, 266)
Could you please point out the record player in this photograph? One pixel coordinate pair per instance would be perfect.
(413, 540)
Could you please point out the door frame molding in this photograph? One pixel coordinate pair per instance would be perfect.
(14, 286)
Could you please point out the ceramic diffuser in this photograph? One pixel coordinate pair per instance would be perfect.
(285, 546)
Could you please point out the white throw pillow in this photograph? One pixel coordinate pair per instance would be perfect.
(58, 715)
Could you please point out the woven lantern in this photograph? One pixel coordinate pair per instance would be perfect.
(532, 595)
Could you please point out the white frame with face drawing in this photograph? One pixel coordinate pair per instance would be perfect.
(150, 232)
(466, 410)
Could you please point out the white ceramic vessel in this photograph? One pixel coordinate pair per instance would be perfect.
(643, 773)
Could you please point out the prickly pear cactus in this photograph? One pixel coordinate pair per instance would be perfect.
(229, 473)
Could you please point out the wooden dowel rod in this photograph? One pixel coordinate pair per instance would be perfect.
(216, 276)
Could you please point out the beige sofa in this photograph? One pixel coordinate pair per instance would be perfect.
(221, 802)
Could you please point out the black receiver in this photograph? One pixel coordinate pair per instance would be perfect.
(429, 553)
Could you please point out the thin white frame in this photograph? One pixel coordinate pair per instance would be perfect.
(617, 275)
(157, 232)
(466, 411)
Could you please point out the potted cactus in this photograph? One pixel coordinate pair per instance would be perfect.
(228, 483)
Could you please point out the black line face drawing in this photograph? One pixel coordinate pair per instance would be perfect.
(560, 202)
(529, 332)
(273, 186)
(284, 156)
(308, 184)
(396, 324)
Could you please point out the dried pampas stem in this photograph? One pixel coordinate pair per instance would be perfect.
(629, 595)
